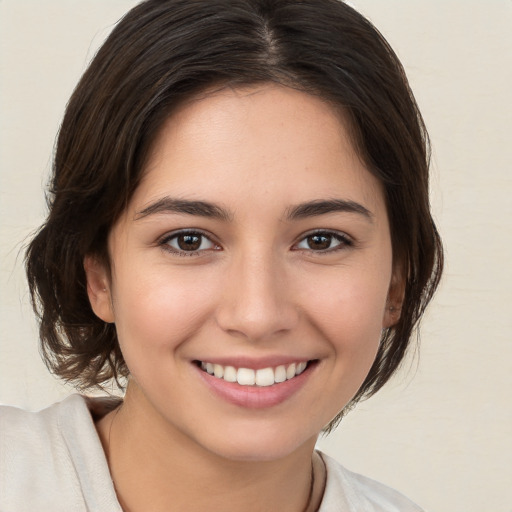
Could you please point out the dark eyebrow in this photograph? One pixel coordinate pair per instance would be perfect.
(172, 205)
(323, 206)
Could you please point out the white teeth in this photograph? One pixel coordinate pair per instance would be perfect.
(300, 368)
(249, 377)
(246, 377)
(218, 371)
(290, 371)
(280, 374)
(265, 377)
(230, 374)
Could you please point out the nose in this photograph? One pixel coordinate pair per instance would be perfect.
(256, 300)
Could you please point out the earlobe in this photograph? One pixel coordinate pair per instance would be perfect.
(395, 300)
(98, 289)
(391, 316)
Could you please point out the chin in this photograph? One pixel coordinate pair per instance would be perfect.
(259, 442)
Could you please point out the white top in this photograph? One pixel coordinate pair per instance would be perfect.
(53, 460)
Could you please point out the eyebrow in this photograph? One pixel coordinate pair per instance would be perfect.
(189, 207)
(206, 209)
(324, 206)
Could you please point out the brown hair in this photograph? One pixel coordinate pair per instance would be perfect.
(165, 51)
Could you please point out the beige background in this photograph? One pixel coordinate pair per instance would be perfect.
(442, 430)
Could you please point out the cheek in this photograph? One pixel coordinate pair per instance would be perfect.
(348, 309)
(156, 311)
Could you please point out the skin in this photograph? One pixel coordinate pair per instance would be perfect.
(257, 287)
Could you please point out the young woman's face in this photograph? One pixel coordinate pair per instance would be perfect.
(256, 244)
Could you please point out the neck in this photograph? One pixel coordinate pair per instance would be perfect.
(156, 467)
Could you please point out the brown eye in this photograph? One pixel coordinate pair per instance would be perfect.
(319, 242)
(324, 241)
(188, 242)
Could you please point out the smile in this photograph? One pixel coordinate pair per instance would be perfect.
(249, 377)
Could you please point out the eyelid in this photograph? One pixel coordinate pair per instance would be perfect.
(163, 241)
(346, 240)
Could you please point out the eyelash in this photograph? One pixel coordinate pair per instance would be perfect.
(344, 242)
(164, 242)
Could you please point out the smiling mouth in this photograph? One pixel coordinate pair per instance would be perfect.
(249, 377)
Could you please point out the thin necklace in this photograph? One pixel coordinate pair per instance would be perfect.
(110, 434)
(123, 507)
(311, 487)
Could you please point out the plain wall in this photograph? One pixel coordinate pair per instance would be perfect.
(442, 430)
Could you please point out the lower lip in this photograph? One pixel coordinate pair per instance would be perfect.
(256, 397)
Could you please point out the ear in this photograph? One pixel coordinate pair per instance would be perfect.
(395, 299)
(98, 288)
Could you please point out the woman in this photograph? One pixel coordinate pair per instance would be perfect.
(240, 227)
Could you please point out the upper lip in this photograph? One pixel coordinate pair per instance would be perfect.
(255, 363)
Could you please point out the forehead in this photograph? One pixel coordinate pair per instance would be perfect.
(266, 140)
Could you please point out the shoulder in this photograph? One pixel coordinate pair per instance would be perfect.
(44, 433)
(36, 434)
(352, 492)
(46, 457)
